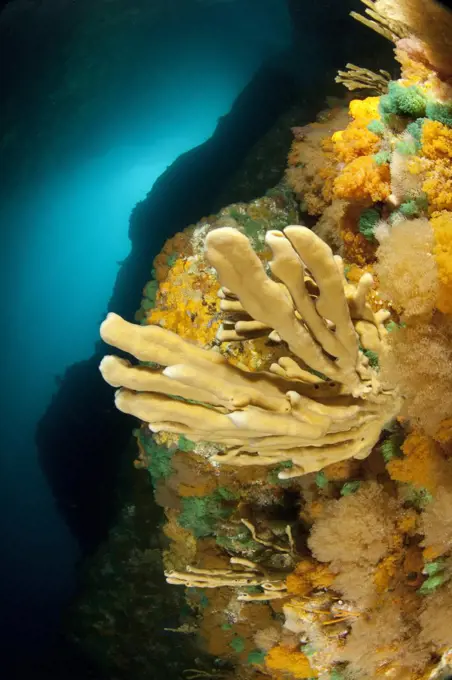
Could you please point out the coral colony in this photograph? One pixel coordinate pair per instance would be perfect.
(295, 388)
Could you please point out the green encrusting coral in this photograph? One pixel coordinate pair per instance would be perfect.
(437, 574)
(373, 358)
(442, 112)
(391, 447)
(350, 487)
(417, 497)
(237, 644)
(200, 515)
(402, 101)
(321, 480)
(256, 657)
(272, 476)
(414, 207)
(407, 147)
(336, 675)
(382, 157)
(184, 444)
(147, 301)
(158, 457)
(392, 326)
(276, 210)
(377, 127)
(415, 130)
(368, 220)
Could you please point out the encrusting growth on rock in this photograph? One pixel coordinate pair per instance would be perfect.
(295, 394)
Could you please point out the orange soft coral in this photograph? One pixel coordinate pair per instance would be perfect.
(386, 571)
(308, 576)
(436, 140)
(423, 465)
(442, 229)
(356, 140)
(353, 142)
(364, 181)
(438, 185)
(401, 562)
(290, 661)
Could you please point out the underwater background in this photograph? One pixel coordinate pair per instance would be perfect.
(122, 123)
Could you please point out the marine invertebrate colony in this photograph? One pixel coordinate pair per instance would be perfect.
(288, 413)
(294, 388)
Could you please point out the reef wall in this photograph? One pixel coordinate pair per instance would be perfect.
(293, 387)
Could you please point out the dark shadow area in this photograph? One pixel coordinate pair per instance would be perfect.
(120, 623)
(81, 437)
(338, 39)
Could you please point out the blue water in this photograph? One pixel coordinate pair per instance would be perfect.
(64, 235)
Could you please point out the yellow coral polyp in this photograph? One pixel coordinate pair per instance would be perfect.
(416, 165)
(356, 140)
(422, 465)
(290, 661)
(436, 140)
(388, 568)
(256, 355)
(407, 523)
(442, 251)
(386, 571)
(188, 303)
(364, 181)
